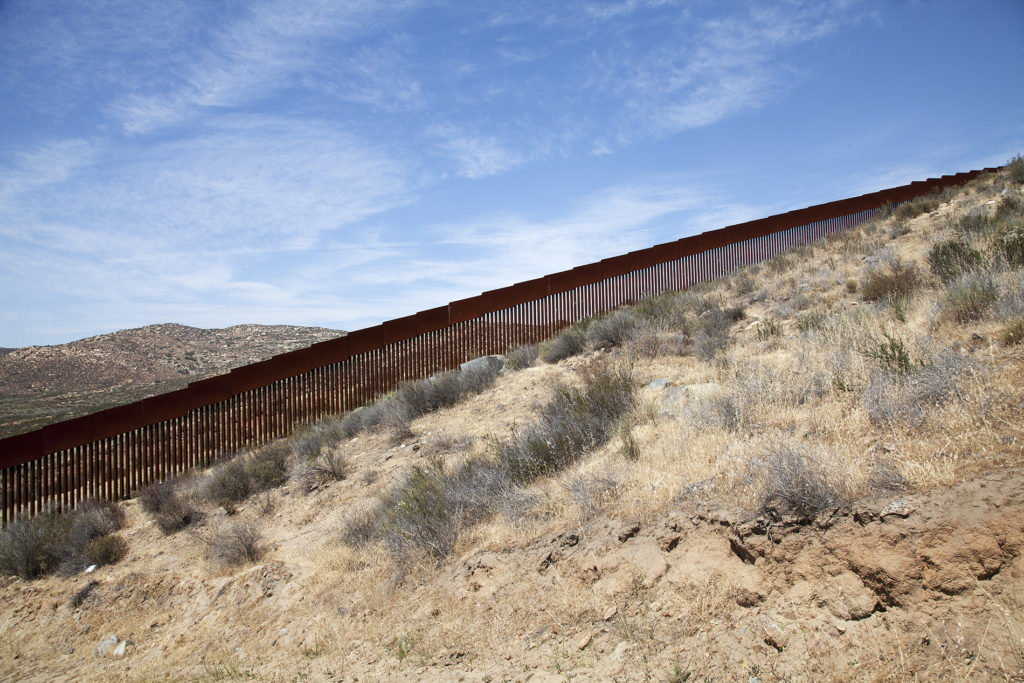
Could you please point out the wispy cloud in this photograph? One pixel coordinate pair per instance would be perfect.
(475, 155)
(706, 70)
(255, 55)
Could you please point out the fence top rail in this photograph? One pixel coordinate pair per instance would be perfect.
(23, 448)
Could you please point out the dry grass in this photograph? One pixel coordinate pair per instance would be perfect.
(844, 398)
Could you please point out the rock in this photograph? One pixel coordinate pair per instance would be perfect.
(120, 649)
(585, 640)
(675, 399)
(493, 363)
(628, 531)
(610, 612)
(648, 561)
(899, 508)
(847, 598)
(659, 383)
(105, 646)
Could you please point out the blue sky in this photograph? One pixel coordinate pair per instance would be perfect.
(342, 163)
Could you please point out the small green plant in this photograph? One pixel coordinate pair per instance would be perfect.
(889, 351)
(768, 328)
(809, 321)
(851, 285)
(402, 646)
(630, 447)
(974, 223)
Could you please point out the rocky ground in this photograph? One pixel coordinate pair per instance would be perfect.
(925, 585)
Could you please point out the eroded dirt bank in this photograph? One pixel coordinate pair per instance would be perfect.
(922, 585)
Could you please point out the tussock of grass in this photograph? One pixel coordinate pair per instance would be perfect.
(569, 343)
(575, 420)
(523, 357)
(1013, 333)
(1015, 169)
(951, 258)
(794, 483)
(969, 298)
(890, 281)
(235, 544)
(311, 472)
(916, 207)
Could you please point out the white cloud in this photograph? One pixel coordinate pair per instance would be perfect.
(476, 156)
(270, 47)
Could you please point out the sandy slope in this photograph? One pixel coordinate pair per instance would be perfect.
(653, 568)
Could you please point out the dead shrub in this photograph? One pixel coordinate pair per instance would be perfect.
(590, 492)
(324, 434)
(426, 512)
(229, 484)
(885, 477)
(176, 513)
(235, 544)
(569, 343)
(268, 466)
(154, 496)
(794, 483)
(105, 550)
(911, 396)
(611, 331)
(890, 281)
(33, 546)
(94, 518)
(522, 357)
(477, 378)
(311, 473)
(716, 412)
(92, 521)
(969, 298)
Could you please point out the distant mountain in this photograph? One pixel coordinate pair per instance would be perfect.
(42, 384)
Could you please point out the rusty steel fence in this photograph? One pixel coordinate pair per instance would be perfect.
(111, 453)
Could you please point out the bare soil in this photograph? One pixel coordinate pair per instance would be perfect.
(660, 562)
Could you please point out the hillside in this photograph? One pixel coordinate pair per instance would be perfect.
(43, 384)
(812, 470)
